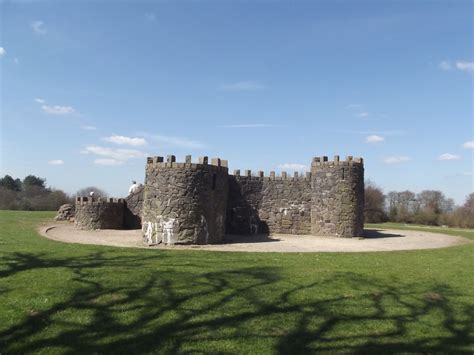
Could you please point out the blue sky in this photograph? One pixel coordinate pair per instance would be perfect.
(89, 89)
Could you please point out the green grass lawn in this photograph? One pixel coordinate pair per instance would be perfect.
(68, 298)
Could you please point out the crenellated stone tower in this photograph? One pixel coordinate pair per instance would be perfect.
(337, 197)
(184, 203)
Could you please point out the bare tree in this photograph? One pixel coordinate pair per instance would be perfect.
(374, 204)
(402, 206)
(87, 190)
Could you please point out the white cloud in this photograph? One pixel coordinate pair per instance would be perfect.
(180, 142)
(353, 106)
(250, 125)
(293, 166)
(108, 162)
(467, 66)
(57, 110)
(460, 65)
(150, 16)
(112, 153)
(38, 27)
(374, 139)
(122, 140)
(56, 162)
(447, 156)
(468, 145)
(396, 159)
(363, 114)
(2, 51)
(445, 65)
(385, 133)
(89, 128)
(39, 101)
(243, 86)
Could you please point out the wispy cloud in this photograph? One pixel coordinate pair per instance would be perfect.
(374, 139)
(385, 133)
(468, 145)
(250, 125)
(108, 162)
(120, 156)
(54, 109)
(150, 16)
(56, 162)
(459, 65)
(2, 52)
(57, 110)
(89, 128)
(445, 65)
(38, 27)
(293, 166)
(363, 114)
(243, 86)
(396, 159)
(466, 66)
(353, 106)
(123, 140)
(170, 141)
(448, 156)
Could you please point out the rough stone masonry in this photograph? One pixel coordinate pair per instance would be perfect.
(198, 203)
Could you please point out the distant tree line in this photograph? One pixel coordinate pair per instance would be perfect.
(430, 207)
(32, 194)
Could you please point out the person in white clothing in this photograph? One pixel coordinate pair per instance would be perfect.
(133, 188)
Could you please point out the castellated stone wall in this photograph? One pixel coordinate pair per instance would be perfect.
(273, 204)
(337, 206)
(99, 213)
(184, 203)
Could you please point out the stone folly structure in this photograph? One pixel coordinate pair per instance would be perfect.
(198, 203)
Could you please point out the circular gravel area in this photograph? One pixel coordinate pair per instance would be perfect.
(375, 240)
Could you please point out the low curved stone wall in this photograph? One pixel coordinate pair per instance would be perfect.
(99, 213)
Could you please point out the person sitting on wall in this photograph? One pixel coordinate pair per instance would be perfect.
(133, 188)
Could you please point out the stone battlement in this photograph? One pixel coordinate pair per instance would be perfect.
(350, 160)
(158, 162)
(96, 200)
(260, 175)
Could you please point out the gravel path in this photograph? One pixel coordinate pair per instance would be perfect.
(375, 240)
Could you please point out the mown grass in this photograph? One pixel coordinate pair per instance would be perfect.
(70, 298)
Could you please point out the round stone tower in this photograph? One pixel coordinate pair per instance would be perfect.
(337, 201)
(184, 203)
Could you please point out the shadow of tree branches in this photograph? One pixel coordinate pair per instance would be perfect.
(177, 311)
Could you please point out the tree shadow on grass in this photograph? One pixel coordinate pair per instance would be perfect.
(176, 310)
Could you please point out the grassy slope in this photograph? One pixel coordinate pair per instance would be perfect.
(57, 297)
